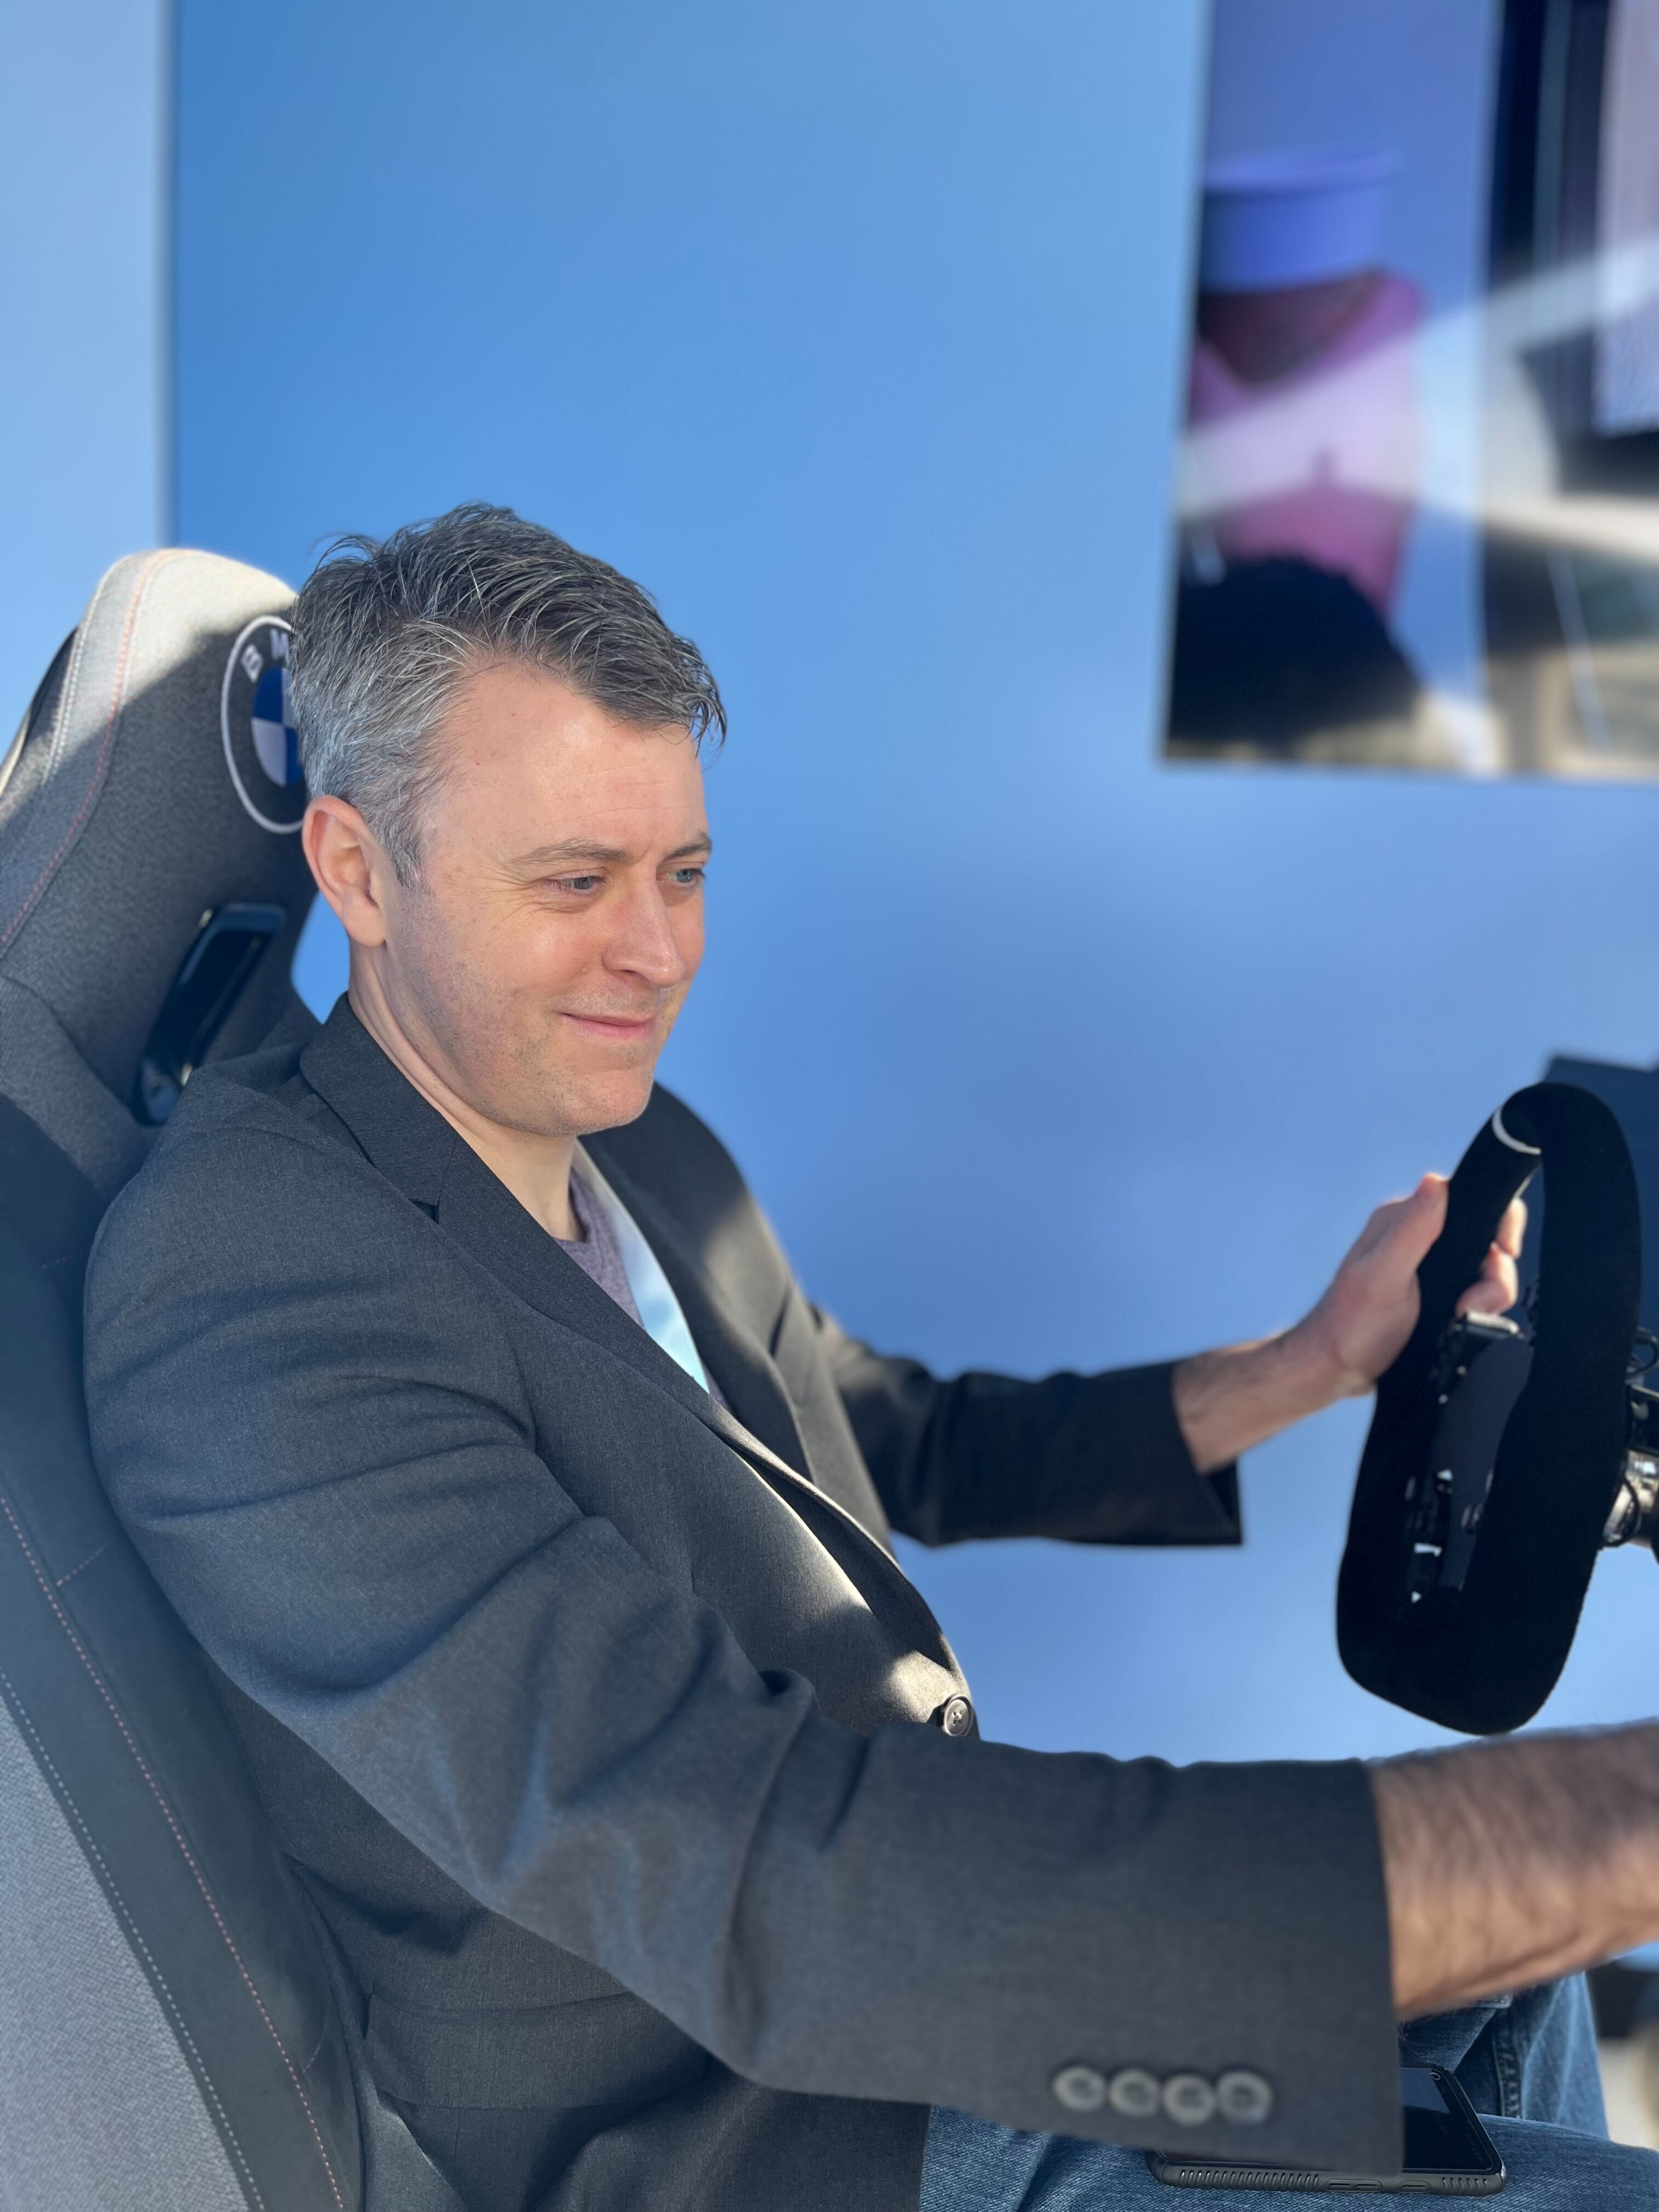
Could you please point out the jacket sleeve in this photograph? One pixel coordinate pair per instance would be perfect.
(317, 1436)
(1095, 1459)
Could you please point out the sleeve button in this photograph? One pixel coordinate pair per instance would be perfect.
(1189, 2099)
(1080, 2089)
(1133, 2093)
(1243, 2097)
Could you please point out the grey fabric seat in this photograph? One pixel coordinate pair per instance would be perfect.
(169, 2031)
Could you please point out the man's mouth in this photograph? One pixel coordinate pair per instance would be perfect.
(624, 1028)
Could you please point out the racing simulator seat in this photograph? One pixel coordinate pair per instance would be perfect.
(171, 2037)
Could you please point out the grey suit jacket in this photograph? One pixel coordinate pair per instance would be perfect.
(601, 1722)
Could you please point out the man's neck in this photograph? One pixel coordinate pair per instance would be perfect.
(535, 1168)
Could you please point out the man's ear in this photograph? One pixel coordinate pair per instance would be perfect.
(353, 871)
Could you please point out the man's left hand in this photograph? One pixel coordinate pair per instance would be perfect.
(1361, 1325)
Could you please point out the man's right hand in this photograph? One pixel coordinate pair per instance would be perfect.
(1227, 1401)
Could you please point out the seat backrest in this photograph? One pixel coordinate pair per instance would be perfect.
(169, 2035)
(154, 786)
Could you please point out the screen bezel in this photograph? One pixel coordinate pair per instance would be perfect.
(1546, 185)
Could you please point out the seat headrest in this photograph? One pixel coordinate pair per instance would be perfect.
(154, 783)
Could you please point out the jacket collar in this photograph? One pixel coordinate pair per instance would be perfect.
(420, 1154)
(413, 1146)
(409, 1141)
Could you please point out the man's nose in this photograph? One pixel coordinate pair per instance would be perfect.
(645, 944)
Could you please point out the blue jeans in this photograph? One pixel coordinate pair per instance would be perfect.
(1526, 2064)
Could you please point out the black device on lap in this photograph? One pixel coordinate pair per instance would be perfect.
(1447, 2152)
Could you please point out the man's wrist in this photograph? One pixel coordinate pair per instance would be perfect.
(1227, 1401)
(1314, 1374)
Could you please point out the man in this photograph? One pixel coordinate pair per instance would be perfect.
(535, 1526)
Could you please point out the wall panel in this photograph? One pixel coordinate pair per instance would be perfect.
(855, 332)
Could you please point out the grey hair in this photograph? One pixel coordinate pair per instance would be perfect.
(385, 630)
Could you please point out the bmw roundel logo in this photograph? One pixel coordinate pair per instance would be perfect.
(261, 747)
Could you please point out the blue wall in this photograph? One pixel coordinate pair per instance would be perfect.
(856, 332)
(82, 159)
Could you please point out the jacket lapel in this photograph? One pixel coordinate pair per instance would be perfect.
(751, 1384)
(418, 1153)
(481, 1214)
(416, 1149)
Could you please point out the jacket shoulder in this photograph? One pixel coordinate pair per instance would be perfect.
(251, 1171)
(265, 1086)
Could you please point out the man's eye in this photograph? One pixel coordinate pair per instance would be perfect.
(688, 878)
(576, 882)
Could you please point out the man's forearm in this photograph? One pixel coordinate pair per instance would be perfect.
(1509, 1863)
(1228, 1402)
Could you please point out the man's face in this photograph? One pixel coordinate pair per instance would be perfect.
(541, 959)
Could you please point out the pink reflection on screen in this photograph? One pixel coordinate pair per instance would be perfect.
(1338, 429)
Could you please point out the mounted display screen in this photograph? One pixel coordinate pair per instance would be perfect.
(1417, 508)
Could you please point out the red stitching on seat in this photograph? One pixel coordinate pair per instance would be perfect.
(86, 1562)
(178, 1838)
(156, 560)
